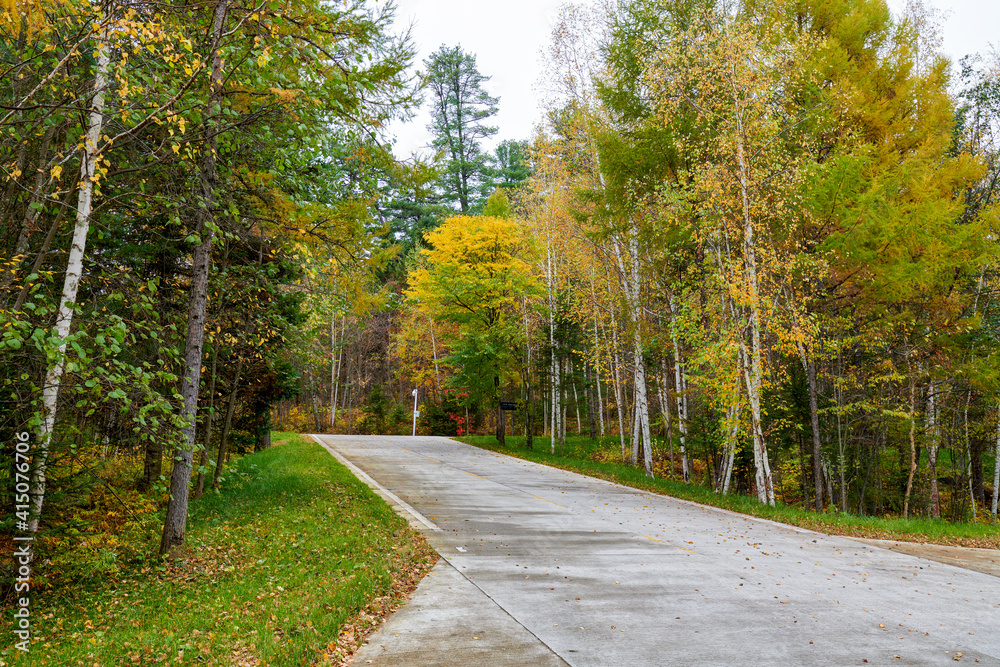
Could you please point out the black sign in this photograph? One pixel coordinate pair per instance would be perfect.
(507, 405)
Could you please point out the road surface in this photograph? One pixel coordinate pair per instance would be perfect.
(547, 567)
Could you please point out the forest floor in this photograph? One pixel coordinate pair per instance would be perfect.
(589, 457)
(294, 561)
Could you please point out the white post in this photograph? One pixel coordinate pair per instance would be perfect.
(415, 413)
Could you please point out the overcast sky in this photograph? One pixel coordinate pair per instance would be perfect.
(507, 37)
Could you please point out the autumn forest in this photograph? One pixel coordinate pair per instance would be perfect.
(751, 246)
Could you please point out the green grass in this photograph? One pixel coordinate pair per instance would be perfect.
(588, 457)
(292, 557)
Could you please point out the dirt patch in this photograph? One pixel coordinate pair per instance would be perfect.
(986, 561)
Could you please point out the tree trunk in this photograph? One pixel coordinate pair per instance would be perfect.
(632, 287)
(31, 214)
(619, 390)
(554, 363)
(334, 357)
(932, 450)
(663, 395)
(576, 404)
(842, 456)
(314, 401)
(913, 447)
(636, 437)
(968, 451)
(42, 250)
(152, 465)
(199, 488)
(682, 416)
(754, 374)
(501, 426)
(817, 449)
(223, 453)
(71, 284)
(591, 408)
(529, 417)
(437, 370)
(729, 452)
(175, 522)
(597, 364)
(563, 393)
(264, 439)
(529, 402)
(996, 470)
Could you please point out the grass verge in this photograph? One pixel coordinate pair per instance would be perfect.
(581, 454)
(293, 562)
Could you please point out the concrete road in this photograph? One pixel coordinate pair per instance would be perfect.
(547, 567)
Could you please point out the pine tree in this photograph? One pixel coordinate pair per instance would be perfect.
(460, 105)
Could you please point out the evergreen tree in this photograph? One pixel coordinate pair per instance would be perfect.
(510, 165)
(460, 105)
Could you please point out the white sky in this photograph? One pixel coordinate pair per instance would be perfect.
(507, 38)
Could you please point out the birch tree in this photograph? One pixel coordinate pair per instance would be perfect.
(89, 157)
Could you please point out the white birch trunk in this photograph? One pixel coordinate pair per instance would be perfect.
(968, 454)
(437, 369)
(71, 284)
(554, 365)
(597, 372)
(642, 409)
(630, 279)
(576, 400)
(841, 454)
(733, 420)
(682, 415)
(597, 355)
(664, 395)
(619, 391)
(932, 448)
(755, 373)
(564, 405)
(635, 434)
(729, 454)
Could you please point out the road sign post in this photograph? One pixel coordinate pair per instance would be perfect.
(415, 412)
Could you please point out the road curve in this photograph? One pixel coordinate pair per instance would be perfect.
(547, 567)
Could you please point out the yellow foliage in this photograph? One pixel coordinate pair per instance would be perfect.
(29, 15)
(474, 268)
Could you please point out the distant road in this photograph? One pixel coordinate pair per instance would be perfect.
(548, 567)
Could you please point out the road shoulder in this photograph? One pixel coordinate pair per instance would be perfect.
(450, 621)
(986, 561)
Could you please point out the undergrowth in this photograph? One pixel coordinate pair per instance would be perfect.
(292, 562)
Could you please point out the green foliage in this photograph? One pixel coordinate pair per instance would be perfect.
(447, 417)
(475, 276)
(460, 105)
(377, 412)
(289, 522)
(498, 205)
(510, 166)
